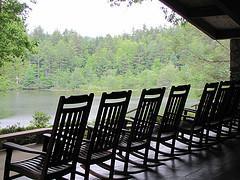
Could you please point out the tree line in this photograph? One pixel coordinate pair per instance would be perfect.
(141, 59)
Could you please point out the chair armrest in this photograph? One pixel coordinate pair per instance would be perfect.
(190, 110)
(46, 139)
(89, 131)
(195, 106)
(188, 118)
(159, 118)
(86, 140)
(126, 130)
(129, 119)
(14, 146)
(132, 110)
(90, 127)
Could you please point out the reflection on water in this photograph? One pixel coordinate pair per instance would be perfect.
(18, 107)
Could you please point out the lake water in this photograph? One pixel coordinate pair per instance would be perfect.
(18, 107)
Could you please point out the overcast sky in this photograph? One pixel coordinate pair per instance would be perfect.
(94, 17)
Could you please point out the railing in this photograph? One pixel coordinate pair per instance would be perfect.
(24, 134)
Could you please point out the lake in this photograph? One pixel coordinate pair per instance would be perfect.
(17, 107)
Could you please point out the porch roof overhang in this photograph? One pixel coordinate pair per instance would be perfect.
(220, 19)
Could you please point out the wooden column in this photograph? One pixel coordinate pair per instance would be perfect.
(235, 59)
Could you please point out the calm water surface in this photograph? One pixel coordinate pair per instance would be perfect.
(18, 107)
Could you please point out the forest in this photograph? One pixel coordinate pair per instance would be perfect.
(144, 58)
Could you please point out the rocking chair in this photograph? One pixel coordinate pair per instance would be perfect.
(64, 144)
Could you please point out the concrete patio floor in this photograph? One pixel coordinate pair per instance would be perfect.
(218, 163)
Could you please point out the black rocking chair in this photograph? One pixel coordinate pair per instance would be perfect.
(192, 127)
(229, 127)
(234, 112)
(63, 147)
(218, 111)
(138, 136)
(167, 129)
(104, 136)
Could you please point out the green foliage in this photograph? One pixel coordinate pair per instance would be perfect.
(146, 58)
(4, 83)
(170, 15)
(12, 129)
(18, 128)
(40, 120)
(14, 40)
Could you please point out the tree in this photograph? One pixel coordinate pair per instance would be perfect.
(14, 40)
(170, 15)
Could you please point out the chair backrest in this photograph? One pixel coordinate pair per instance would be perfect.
(174, 109)
(233, 100)
(234, 110)
(146, 114)
(68, 129)
(205, 103)
(222, 101)
(109, 121)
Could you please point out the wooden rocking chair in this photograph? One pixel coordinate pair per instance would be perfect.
(63, 147)
(104, 136)
(229, 127)
(218, 112)
(193, 126)
(167, 128)
(138, 137)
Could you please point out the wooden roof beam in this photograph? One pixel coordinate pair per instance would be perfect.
(223, 34)
(204, 12)
(231, 8)
(200, 24)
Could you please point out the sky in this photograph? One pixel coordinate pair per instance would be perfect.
(94, 17)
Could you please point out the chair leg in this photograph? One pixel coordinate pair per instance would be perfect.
(230, 127)
(173, 146)
(145, 157)
(201, 137)
(112, 168)
(87, 170)
(7, 164)
(207, 136)
(126, 163)
(156, 151)
(190, 142)
(219, 129)
(72, 175)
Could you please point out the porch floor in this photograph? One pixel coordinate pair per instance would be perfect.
(219, 163)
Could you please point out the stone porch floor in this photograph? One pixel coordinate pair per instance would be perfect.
(219, 163)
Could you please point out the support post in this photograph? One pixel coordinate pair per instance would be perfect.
(235, 59)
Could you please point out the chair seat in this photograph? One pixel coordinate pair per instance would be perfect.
(124, 139)
(186, 127)
(165, 135)
(95, 156)
(227, 119)
(33, 167)
(214, 123)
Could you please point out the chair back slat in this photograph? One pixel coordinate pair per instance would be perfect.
(205, 103)
(68, 129)
(109, 121)
(174, 108)
(146, 114)
(222, 101)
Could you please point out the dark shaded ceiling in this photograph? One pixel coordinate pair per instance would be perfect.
(220, 19)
